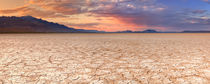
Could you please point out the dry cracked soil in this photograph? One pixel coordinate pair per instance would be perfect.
(105, 59)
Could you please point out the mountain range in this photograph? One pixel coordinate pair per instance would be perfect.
(144, 31)
(155, 31)
(29, 24)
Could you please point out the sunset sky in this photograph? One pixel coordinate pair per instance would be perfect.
(116, 15)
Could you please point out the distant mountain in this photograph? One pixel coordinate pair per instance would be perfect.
(155, 31)
(29, 24)
(148, 31)
(145, 31)
(127, 31)
(196, 32)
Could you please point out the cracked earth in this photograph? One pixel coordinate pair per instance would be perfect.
(104, 58)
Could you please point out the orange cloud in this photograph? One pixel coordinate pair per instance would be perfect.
(26, 10)
(67, 7)
(114, 14)
(109, 15)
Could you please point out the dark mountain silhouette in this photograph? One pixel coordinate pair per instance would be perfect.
(126, 31)
(150, 31)
(29, 24)
(145, 31)
(196, 32)
(155, 31)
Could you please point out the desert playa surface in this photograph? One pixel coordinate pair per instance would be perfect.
(104, 58)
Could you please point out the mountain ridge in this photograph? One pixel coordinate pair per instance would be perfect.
(29, 24)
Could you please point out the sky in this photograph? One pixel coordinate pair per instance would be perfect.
(116, 15)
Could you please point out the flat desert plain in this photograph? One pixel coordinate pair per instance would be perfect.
(105, 58)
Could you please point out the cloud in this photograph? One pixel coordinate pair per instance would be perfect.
(27, 10)
(88, 25)
(125, 6)
(70, 7)
(67, 7)
(148, 13)
(48, 8)
(199, 11)
(207, 1)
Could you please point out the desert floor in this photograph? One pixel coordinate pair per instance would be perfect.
(104, 58)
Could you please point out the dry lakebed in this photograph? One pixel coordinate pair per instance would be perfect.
(105, 58)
